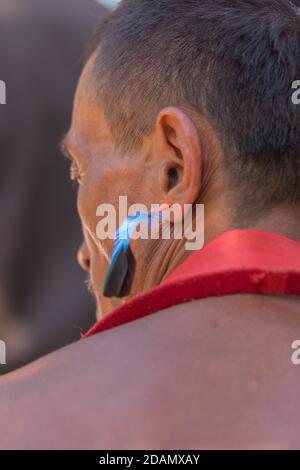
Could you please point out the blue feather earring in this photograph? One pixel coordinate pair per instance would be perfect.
(121, 270)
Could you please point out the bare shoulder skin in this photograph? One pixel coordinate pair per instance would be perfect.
(214, 373)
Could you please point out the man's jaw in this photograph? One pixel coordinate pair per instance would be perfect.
(99, 311)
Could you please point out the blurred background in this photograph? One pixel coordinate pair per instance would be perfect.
(44, 303)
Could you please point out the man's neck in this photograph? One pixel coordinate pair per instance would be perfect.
(282, 220)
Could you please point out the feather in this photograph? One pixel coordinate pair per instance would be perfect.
(121, 271)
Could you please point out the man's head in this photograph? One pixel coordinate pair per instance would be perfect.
(188, 101)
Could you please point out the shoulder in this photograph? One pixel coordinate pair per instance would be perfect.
(201, 374)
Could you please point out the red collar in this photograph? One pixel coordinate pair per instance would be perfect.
(236, 262)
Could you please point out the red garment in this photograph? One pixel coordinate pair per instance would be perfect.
(236, 262)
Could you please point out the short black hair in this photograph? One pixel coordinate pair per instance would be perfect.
(232, 61)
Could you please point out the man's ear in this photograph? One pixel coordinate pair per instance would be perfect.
(179, 151)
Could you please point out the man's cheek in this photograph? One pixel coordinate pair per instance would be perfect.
(87, 209)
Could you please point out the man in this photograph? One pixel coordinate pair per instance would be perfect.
(184, 102)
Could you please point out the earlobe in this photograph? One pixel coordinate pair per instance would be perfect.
(181, 165)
